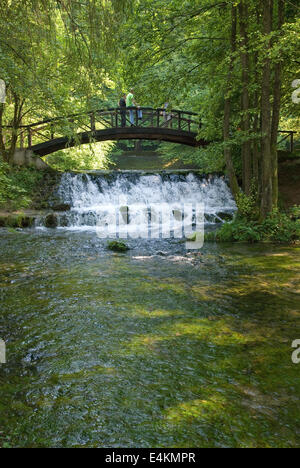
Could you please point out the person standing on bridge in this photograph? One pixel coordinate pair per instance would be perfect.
(122, 105)
(167, 115)
(130, 102)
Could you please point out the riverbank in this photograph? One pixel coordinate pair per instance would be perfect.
(18, 219)
(277, 228)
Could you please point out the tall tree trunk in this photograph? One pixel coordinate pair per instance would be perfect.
(255, 144)
(18, 106)
(227, 111)
(8, 150)
(256, 130)
(276, 110)
(246, 146)
(266, 192)
(2, 136)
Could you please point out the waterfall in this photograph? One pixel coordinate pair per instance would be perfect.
(97, 200)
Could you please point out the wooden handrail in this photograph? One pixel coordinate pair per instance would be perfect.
(180, 121)
(98, 111)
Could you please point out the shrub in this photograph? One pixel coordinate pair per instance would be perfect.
(294, 212)
(247, 204)
(277, 227)
(239, 231)
(17, 186)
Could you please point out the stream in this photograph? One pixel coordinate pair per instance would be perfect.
(156, 347)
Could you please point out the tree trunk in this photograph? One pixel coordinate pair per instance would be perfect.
(276, 111)
(246, 146)
(256, 130)
(255, 145)
(227, 111)
(2, 136)
(266, 189)
(8, 152)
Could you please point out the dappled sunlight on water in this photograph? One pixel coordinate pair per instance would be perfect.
(136, 349)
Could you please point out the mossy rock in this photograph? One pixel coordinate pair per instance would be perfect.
(19, 220)
(117, 246)
(51, 221)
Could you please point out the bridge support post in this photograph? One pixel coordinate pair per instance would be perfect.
(51, 132)
(26, 158)
(292, 142)
(179, 120)
(93, 121)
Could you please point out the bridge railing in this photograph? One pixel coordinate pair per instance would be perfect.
(70, 126)
(157, 118)
(286, 136)
(89, 122)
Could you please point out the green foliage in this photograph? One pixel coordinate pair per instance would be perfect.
(17, 186)
(59, 58)
(56, 59)
(181, 52)
(85, 157)
(209, 159)
(277, 227)
(294, 212)
(247, 204)
(238, 231)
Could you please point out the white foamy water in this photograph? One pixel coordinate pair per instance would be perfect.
(140, 203)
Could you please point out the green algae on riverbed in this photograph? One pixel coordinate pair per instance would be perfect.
(139, 350)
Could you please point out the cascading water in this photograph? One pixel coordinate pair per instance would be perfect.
(99, 200)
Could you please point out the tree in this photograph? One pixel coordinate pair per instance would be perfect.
(183, 49)
(227, 108)
(56, 55)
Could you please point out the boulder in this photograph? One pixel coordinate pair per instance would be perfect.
(117, 246)
(51, 221)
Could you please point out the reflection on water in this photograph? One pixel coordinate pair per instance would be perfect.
(154, 348)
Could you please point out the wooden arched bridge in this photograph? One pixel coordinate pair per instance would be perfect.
(176, 126)
(47, 136)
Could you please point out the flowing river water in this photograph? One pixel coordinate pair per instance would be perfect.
(156, 347)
